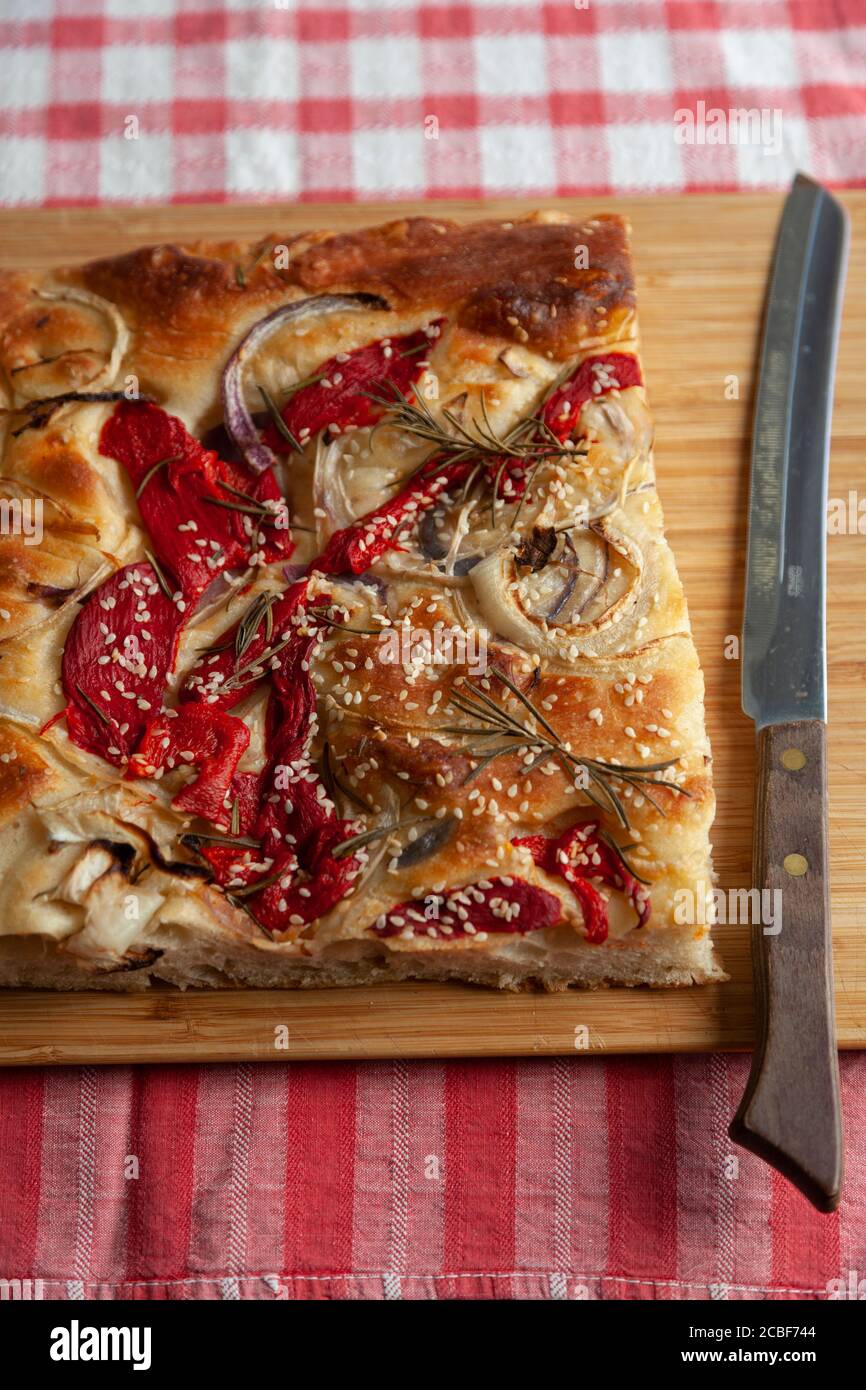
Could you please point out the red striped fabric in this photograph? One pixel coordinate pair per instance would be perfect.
(526, 1179)
(319, 1167)
(163, 1117)
(641, 1121)
(574, 1178)
(479, 1176)
(21, 1099)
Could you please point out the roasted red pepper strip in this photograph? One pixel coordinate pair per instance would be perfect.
(298, 817)
(200, 737)
(185, 502)
(594, 377)
(299, 830)
(357, 547)
(579, 856)
(281, 909)
(340, 398)
(296, 823)
(129, 619)
(212, 674)
(496, 905)
(117, 657)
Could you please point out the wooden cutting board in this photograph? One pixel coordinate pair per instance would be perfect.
(702, 264)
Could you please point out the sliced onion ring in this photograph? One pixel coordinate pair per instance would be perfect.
(238, 420)
(106, 375)
(493, 580)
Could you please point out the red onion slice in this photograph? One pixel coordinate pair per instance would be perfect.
(238, 419)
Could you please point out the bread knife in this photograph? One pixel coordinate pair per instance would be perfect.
(790, 1113)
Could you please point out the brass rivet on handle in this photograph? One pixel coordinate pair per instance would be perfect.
(793, 759)
(796, 865)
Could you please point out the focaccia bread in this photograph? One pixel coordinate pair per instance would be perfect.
(339, 638)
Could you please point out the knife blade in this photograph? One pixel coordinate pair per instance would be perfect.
(790, 1112)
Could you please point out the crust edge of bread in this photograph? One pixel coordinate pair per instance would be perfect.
(679, 960)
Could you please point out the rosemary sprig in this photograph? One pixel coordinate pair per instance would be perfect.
(248, 627)
(416, 418)
(46, 361)
(235, 895)
(40, 411)
(100, 714)
(261, 608)
(174, 458)
(236, 492)
(530, 441)
(488, 758)
(421, 347)
(215, 648)
(366, 837)
(620, 851)
(253, 507)
(279, 423)
(160, 576)
(242, 274)
(494, 493)
(242, 675)
(469, 484)
(494, 720)
(236, 507)
(524, 700)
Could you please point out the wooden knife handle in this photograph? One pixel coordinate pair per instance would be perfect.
(790, 1113)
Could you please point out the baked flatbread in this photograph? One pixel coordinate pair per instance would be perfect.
(340, 638)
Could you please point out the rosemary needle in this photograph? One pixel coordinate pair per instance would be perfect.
(100, 714)
(279, 423)
(160, 576)
(173, 458)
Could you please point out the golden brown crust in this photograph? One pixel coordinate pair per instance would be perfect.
(619, 679)
(502, 279)
(24, 773)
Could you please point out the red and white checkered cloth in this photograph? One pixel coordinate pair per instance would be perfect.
(578, 1178)
(277, 99)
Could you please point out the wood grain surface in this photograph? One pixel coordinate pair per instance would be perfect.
(702, 263)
